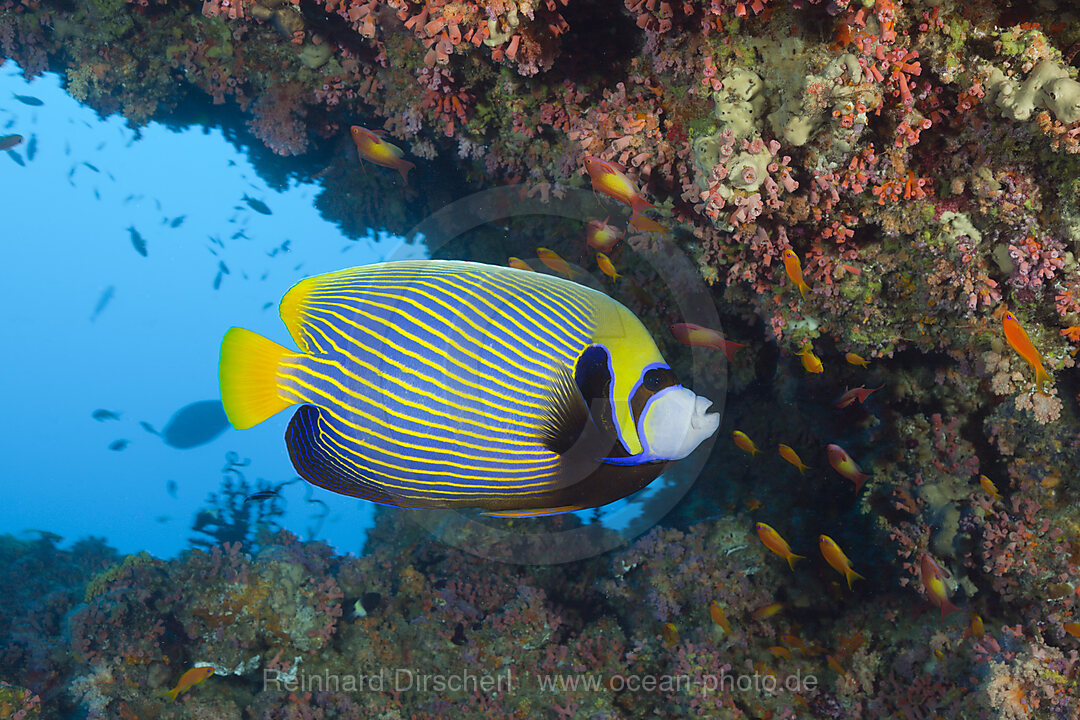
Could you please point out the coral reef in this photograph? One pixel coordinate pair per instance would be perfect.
(910, 153)
(18, 703)
(706, 620)
(42, 583)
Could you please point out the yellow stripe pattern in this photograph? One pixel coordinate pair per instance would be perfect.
(432, 380)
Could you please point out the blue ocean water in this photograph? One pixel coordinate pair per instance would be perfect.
(100, 326)
(152, 346)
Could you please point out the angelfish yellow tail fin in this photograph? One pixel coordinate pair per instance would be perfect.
(248, 374)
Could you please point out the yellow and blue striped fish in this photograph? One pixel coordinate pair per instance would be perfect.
(437, 384)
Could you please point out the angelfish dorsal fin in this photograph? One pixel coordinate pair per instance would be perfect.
(292, 311)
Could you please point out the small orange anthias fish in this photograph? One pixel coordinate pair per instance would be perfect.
(554, 261)
(837, 559)
(793, 641)
(604, 263)
(844, 465)
(989, 487)
(772, 540)
(933, 579)
(646, 223)
(856, 359)
(764, 613)
(763, 669)
(810, 362)
(779, 651)
(670, 633)
(602, 237)
(744, 443)
(792, 457)
(717, 614)
(610, 179)
(1020, 342)
(699, 336)
(374, 148)
(188, 680)
(1072, 628)
(977, 629)
(519, 264)
(850, 645)
(859, 393)
(794, 270)
(835, 665)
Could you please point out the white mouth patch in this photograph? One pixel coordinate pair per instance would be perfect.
(675, 421)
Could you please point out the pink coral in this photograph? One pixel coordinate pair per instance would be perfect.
(278, 119)
(232, 9)
(1035, 260)
(443, 98)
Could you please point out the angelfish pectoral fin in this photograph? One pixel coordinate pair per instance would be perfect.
(569, 431)
(579, 424)
(567, 415)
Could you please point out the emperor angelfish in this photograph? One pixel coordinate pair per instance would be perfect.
(444, 384)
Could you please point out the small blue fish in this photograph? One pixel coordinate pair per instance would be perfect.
(257, 205)
(261, 495)
(17, 158)
(29, 100)
(103, 302)
(118, 445)
(101, 415)
(137, 241)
